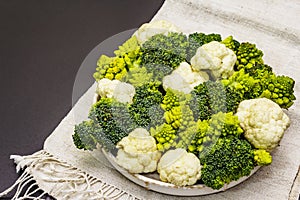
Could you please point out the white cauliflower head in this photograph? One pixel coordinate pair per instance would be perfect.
(184, 79)
(216, 57)
(122, 92)
(137, 152)
(179, 167)
(147, 30)
(263, 121)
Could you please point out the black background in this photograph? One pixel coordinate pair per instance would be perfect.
(42, 45)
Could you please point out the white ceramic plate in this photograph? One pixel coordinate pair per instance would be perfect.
(151, 181)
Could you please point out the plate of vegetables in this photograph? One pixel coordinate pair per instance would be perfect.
(186, 114)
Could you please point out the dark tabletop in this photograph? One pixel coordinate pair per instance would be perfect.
(42, 45)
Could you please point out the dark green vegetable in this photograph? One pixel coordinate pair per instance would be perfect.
(229, 159)
(88, 134)
(113, 117)
(165, 50)
(212, 97)
(145, 109)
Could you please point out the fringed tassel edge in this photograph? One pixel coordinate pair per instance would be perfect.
(59, 180)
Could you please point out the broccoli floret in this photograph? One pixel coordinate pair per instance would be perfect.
(262, 157)
(88, 134)
(212, 97)
(165, 136)
(248, 53)
(208, 131)
(196, 40)
(113, 117)
(231, 43)
(158, 71)
(145, 109)
(229, 159)
(168, 50)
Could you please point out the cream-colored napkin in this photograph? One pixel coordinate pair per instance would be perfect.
(68, 173)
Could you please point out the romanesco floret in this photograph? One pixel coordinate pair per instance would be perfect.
(231, 43)
(243, 84)
(165, 136)
(248, 53)
(279, 89)
(262, 157)
(129, 46)
(138, 76)
(258, 80)
(229, 159)
(128, 56)
(208, 131)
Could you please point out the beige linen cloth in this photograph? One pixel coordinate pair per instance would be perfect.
(65, 172)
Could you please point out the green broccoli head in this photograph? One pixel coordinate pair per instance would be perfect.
(88, 134)
(113, 117)
(196, 40)
(262, 157)
(168, 50)
(211, 97)
(229, 159)
(231, 43)
(158, 71)
(248, 53)
(145, 109)
(165, 136)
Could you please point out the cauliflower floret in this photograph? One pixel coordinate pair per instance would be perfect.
(122, 92)
(137, 152)
(263, 121)
(179, 167)
(184, 79)
(147, 30)
(216, 57)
